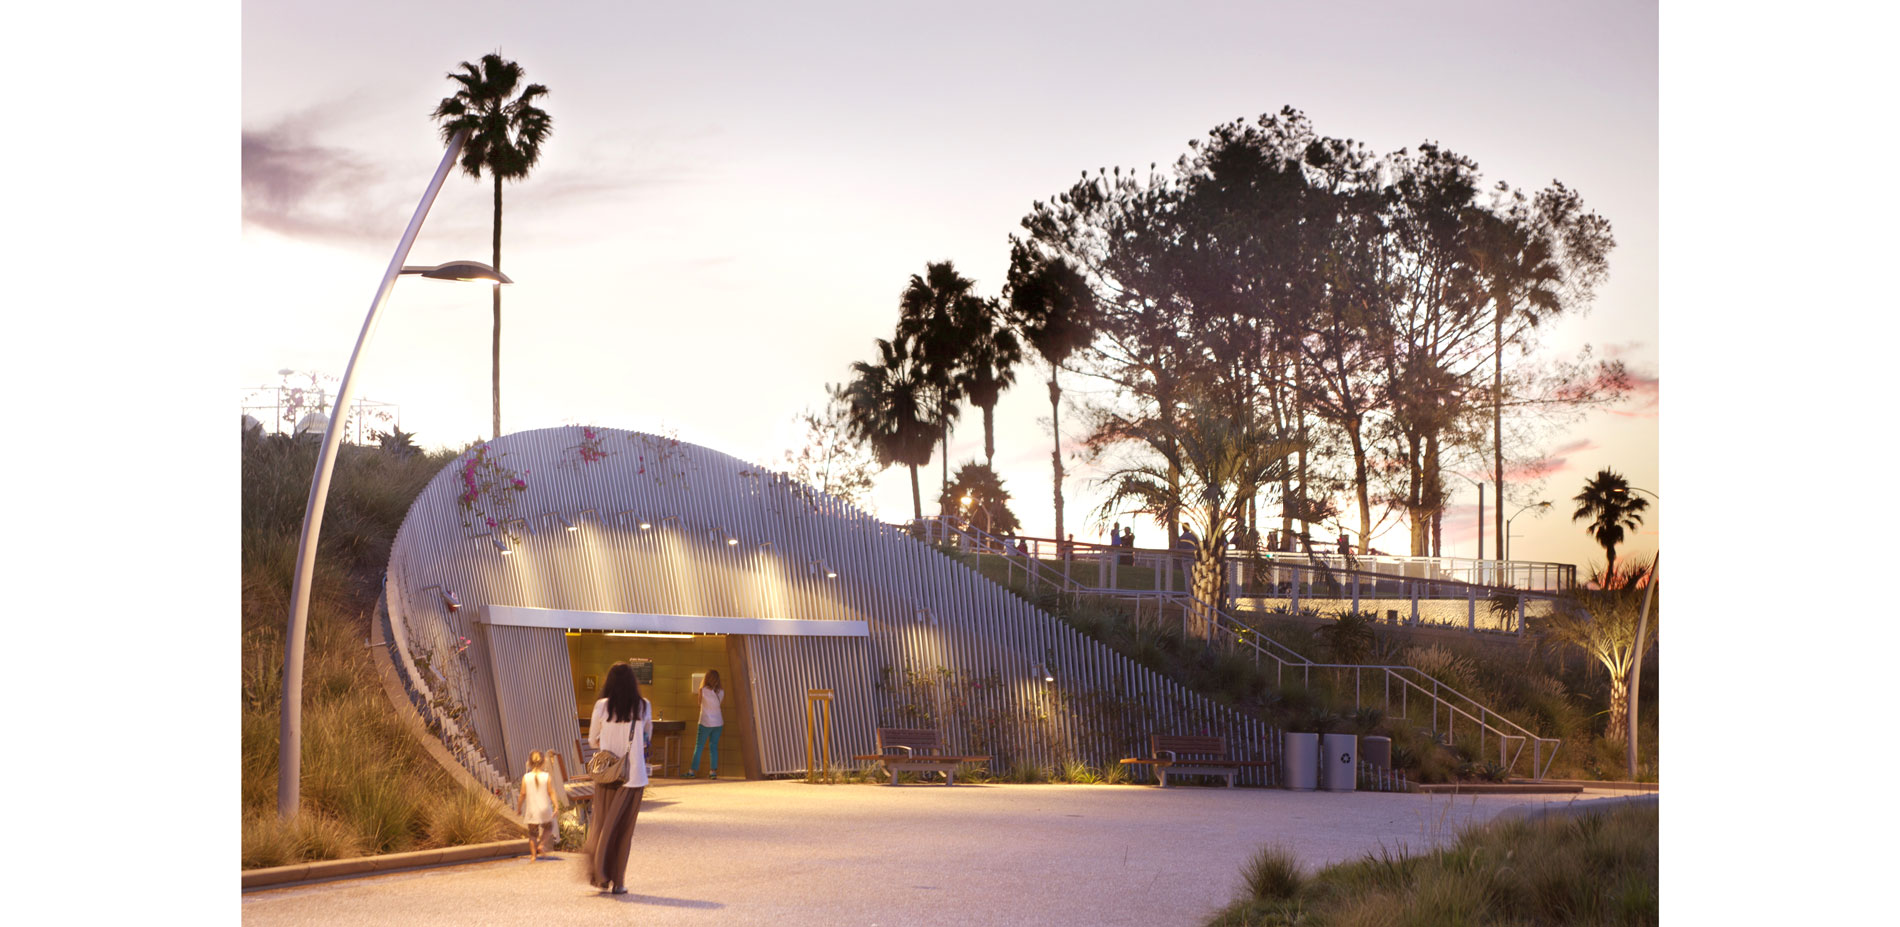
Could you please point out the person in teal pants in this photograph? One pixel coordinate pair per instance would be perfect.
(711, 722)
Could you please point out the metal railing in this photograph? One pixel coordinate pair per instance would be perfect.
(1415, 588)
(1214, 626)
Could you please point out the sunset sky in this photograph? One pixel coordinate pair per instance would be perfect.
(735, 194)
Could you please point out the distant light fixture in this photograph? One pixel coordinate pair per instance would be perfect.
(731, 541)
(644, 524)
(648, 634)
(501, 545)
(571, 526)
(765, 547)
(1048, 675)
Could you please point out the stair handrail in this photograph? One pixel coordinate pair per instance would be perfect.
(1232, 626)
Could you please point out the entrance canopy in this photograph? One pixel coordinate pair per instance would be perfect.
(569, 619)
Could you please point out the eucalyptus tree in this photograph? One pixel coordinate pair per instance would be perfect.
(1054, 310)
(893, 409)
(826, 456)
(1534, 259)
(1610, 507)
(505, 134)
(1122, 235)
(938, 314)
(1437, 322)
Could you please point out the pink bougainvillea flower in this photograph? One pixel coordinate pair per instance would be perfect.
(491, 522)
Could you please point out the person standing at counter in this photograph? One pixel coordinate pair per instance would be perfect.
(711, 723)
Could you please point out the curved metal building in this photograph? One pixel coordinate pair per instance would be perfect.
(532, 562)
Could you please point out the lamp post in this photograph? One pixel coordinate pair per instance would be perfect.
(1642, 632)
(290, 739)
(1504, 543)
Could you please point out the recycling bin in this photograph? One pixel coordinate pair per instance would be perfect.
(1301, 759)
(1339, 763)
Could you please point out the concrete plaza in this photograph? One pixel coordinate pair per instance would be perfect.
(789, 853)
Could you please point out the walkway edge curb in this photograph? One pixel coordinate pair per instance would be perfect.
(390, 862)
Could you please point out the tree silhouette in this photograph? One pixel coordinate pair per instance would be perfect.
(1053, 308)
(936, 315)
(989, 501)
(1609, 505)
(505, 136)
(891, 405)
(990, 356)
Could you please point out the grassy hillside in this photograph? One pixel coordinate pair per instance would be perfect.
(367, 786)
(1548, 688)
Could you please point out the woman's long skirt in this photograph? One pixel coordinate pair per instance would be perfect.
(610, 834)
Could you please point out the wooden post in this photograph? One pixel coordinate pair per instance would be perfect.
(818, 736)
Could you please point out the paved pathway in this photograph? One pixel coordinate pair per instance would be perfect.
(788, 853)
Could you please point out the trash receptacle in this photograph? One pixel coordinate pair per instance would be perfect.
(1376, 750)
(1339, 763)
(1301, 759)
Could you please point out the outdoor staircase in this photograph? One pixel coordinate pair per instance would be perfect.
(1396, 689)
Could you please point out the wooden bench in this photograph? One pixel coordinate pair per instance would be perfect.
(1184, 755)
(919, 752)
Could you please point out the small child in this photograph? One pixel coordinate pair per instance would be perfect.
(537, 804)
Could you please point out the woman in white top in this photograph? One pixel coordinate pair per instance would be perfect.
(620, 720)
(711, 722)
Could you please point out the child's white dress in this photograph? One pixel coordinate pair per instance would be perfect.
(536, 808)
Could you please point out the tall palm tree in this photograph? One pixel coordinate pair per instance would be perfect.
(989, 361)
(1607, 502)
(890, 409)
(505, 136)
(1053, 308)
(935, 314)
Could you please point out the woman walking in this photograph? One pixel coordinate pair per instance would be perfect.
(711, 722)
(619, 725)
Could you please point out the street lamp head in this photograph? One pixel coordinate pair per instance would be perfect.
(472, 271)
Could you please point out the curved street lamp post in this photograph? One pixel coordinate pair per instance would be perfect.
(290, 739)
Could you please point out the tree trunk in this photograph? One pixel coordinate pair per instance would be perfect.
(1055, 456)
(495, 381)
(1618, 728)
(1206, 577)
(916, 498)
(989, 436)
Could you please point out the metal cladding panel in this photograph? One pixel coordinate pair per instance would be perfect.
(535, 694)
(730, 539)
(783, 671)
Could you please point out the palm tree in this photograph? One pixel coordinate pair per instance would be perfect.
(890, 410)
(1053, 308)
(1607, 502)
(936, 313)
(989, 501)
(989, 360)
(505, 133)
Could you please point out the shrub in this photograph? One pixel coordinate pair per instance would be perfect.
(1273, 874)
